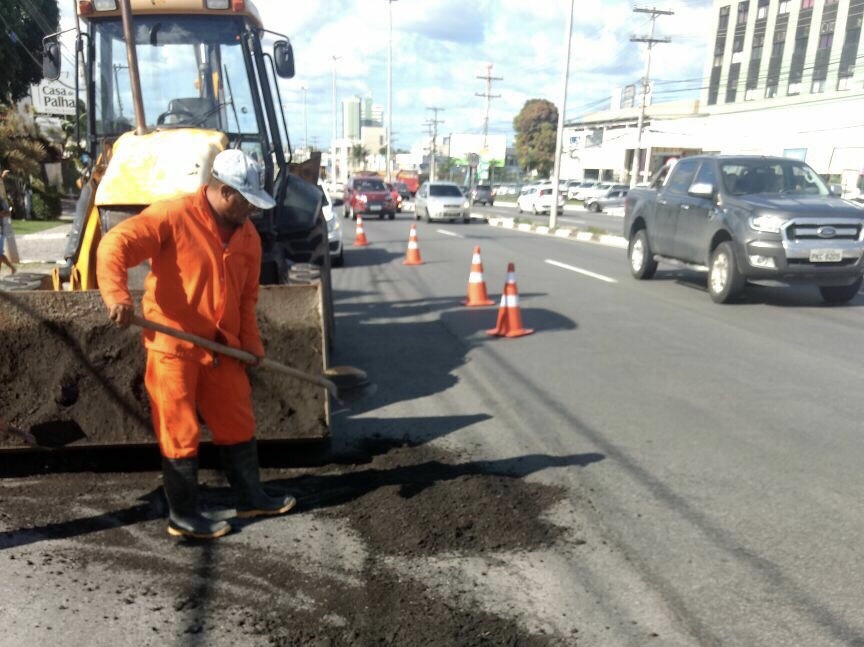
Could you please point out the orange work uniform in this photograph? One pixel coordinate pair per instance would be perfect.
(200, 285)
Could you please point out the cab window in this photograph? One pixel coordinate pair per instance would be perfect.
(682, 176)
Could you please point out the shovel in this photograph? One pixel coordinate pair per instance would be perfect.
(340, 381)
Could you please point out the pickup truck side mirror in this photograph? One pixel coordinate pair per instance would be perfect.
(835, 189)
(702, 190)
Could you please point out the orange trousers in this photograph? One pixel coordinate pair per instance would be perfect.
(179, 389)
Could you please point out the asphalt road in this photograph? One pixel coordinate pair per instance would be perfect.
(709, 456)
(726, 509)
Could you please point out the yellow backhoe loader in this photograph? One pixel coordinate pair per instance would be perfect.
(168, 84)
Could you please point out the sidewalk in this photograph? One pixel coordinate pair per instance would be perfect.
(43, 251)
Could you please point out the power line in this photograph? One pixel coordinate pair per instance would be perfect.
(434, 123)
(651, 41)
(489, 96)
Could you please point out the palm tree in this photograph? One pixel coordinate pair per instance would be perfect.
(359, 155)
(22, 154)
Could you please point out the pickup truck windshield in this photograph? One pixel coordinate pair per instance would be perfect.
(758, 176)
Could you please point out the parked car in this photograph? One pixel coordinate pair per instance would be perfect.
(332, 208)
(538, 199)
(368, 195)
(611, 198)
(441, 201)
(579, 192)
(394, 193)
(482, 193)
(600, 189)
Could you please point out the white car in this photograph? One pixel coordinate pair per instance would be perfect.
(333, 208)
(441, 201)
(538, 199)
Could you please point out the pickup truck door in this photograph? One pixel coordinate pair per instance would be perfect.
(694, 227)
(669, 199)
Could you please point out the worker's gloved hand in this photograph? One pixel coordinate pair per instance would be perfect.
(258, 359)
(121, 314)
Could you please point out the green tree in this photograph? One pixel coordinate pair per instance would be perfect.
(536, 126)
(23, 24)
(358, 155)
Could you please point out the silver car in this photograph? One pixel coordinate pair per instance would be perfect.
(438, 200)
(332, 209)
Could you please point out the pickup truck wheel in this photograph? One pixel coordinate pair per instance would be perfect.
(725, 282)
(840, 293)
(642, 263)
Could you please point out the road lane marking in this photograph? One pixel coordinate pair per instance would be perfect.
(449, 233)
(593, 275)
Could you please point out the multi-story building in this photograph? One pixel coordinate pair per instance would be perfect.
(351, 118)
(782, 77)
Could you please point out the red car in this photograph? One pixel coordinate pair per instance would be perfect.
(368, 195)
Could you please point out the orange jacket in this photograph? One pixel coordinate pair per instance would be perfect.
(194, 284)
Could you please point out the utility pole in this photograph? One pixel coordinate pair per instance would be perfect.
(434, 122)
(390, 90)
(559, 136)
(489, 96)
(634, 172)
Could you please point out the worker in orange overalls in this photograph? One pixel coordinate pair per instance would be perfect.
(205, 259)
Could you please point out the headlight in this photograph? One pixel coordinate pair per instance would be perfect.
(362, 197)
(466, 204)
(768, 223)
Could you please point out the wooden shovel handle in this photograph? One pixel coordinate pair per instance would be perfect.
(236, 353)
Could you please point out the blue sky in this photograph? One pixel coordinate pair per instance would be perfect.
(440, 47)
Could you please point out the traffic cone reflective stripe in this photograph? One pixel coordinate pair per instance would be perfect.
(360, 239)
(412, 256)
(476, 285)
(509, 322)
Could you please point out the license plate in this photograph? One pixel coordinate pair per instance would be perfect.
(375, 207)
(826, 255)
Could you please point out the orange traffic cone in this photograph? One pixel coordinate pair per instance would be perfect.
(476, 285)
(412, 257)
(509, 316)
(359, 235)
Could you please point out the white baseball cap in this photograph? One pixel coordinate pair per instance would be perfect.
(239, 171)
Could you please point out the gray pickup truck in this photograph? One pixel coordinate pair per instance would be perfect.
(748, 219)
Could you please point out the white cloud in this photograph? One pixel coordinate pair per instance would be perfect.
(440, 47)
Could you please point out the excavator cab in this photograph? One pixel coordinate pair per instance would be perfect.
(192, 80)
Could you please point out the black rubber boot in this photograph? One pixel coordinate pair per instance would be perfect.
(180, 478)
(241, 468)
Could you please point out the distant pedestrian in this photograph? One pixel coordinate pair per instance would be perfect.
(28, 202)
(5, 212)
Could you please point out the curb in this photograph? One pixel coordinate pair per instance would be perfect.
(608, 240)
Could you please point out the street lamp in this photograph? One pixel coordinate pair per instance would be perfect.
(389, 88)
(305, 122)
(559, 139)
(333, 140)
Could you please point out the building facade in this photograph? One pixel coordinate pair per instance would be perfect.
(782, 77)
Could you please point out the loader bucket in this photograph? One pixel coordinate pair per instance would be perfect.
(64, 365)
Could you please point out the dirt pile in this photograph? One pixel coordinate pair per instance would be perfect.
(64, 363)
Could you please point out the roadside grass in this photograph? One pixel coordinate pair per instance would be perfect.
(24, 227)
